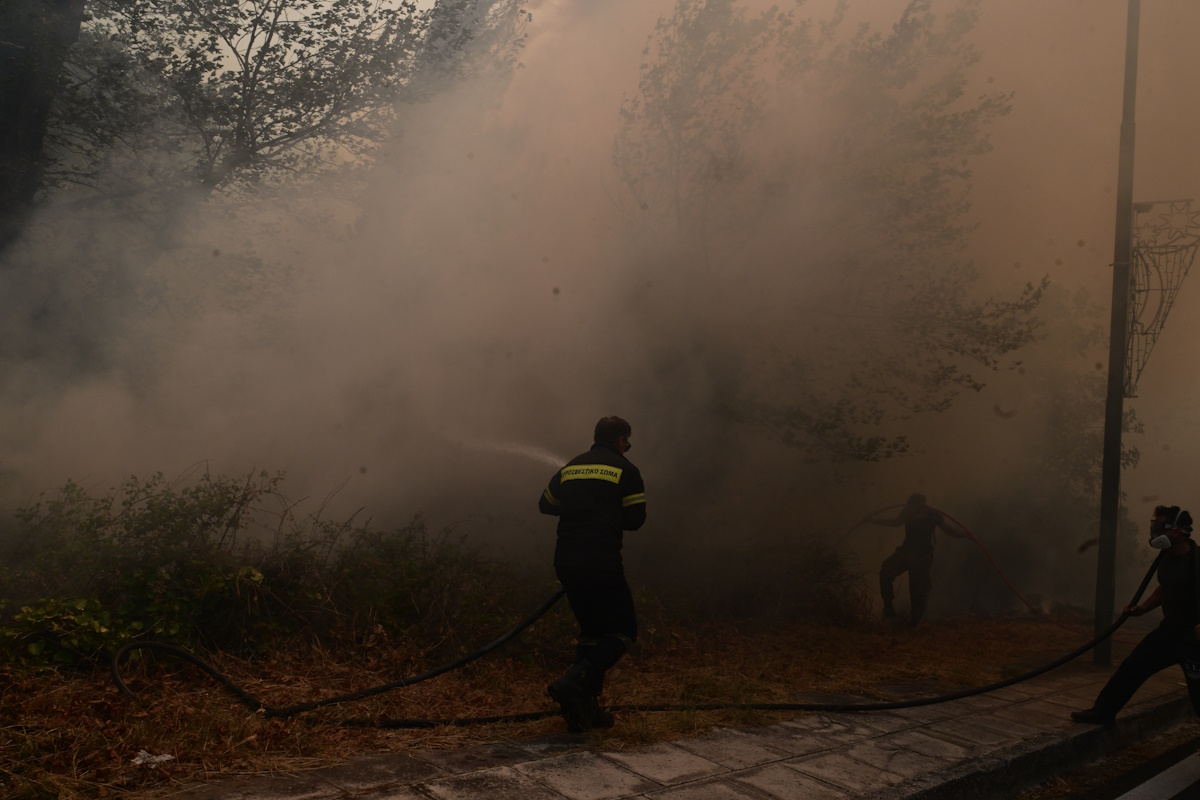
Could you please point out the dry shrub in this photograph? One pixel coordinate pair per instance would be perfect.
(807, 581)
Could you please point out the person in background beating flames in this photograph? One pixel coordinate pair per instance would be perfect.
(1177, 639)
(914, 555)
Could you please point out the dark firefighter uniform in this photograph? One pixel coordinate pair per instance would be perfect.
(597, 496)
(1172, 642)
(914, 556)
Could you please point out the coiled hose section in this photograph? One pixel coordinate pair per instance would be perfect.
(258, 706)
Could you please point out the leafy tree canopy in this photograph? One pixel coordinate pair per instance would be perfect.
(160, 104)
(216, 95)
(838, 166)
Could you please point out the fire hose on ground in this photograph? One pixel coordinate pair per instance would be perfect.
(257, 706)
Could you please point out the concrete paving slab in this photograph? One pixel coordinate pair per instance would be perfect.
(666, 764)
(705, 790)
(1076, 698)
(587, 776)
(975, 730)
(396, 793)
(470, 759)
(1002, 774)
(919, 715)
(498, 783)
(555, 745)
(980, 702)
(1018, 730)
(790, 740)
(835, 728)
(927, 745)
(1036, 711)
(1060, 680)
(1040, 713)
(865, 725)
(732, 749)
(784, 783)
(386, 770)
(977, 748)
(820, 723)
(886, 721)
(894, 759)
(1014, 693)
(846, 773)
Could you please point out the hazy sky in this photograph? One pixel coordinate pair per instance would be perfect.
(1051, 183)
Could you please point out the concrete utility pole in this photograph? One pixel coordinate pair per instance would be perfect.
(1114, 407)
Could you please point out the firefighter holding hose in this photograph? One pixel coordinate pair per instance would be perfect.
(597, 496)
(1177, 639)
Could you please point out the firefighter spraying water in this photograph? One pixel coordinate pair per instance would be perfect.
(597, 496)
(529, 451)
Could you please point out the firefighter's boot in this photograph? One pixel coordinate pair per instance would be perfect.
(918, 609)
(576, 693)
(597, 718)
(889, 610)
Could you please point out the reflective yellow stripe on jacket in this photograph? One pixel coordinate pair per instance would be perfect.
(597, 472)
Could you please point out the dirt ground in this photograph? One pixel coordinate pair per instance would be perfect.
(72, 735)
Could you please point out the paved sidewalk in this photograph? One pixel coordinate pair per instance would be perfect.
(991, 745)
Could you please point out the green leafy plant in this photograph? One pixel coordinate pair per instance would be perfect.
(227, 563)
(65, 631)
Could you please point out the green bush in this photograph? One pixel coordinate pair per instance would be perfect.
(407, 579)
(65, 631)
(226, 564)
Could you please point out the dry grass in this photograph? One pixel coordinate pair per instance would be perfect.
(73, 736)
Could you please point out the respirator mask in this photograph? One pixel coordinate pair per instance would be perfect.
(1160, 542)
(1159, 539)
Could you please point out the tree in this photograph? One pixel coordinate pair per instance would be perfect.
(164, 105)
(249, 89)
(35, 36)
(681, 137)
(1041, 518)
(159, 96)
(842, 164)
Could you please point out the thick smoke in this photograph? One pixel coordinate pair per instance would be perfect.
(437, 336)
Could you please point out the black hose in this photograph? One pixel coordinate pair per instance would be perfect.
(257, 705)
(826, 707)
